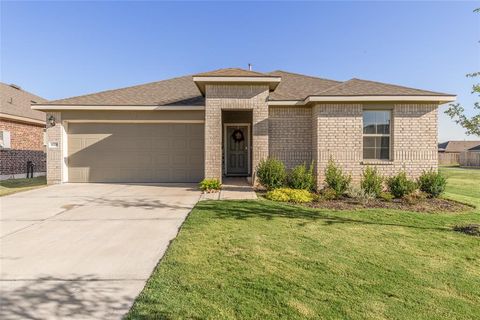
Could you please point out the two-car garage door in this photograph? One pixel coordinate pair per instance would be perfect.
(135, 152)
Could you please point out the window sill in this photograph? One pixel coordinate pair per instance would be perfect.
(377, 162)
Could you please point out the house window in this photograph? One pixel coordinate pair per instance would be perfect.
(376, 134)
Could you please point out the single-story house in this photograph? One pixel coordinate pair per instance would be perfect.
(475, 149)
(21, 133)
(449, 152)
(222, 123)
(456, 146)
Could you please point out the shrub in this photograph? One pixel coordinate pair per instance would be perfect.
(290, 195)
(400, 186)
(328, 194)
(431, 182)
(271, 173)
(372, 181)
(360, 194)
(386, 196)
(335, 179)
(415, 197)
(210, 185)
(302, 177)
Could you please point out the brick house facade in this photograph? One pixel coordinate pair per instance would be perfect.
(294, 118)
(24, 129)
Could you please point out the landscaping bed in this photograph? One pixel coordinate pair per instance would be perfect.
(271, 260)
(434, 205)
(427, 205)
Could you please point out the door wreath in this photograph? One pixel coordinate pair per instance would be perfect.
(237, 136)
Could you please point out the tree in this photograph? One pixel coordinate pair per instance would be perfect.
(457, 112)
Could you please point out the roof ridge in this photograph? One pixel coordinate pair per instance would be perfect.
(303, 75)
(231, 69)
(118, 89)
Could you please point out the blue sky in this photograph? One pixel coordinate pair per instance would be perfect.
(62, 49)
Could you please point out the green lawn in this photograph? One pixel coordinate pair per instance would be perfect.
(264, 260)
(16, 185)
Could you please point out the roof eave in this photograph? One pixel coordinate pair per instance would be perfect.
(64, 107)
(440, 99)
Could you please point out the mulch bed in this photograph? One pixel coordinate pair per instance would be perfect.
(429, 205)
(424, 205)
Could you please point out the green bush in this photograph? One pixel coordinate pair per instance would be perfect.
(271, 173)
(302, 177)
(328, 194)
(372, 181)
(431, 182)
(335, 179)
(415, 197)
(210, 185)
(290, 195)
(400, 186)
(386, 196)
(360, 194)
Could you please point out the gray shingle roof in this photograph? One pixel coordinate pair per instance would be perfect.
(296, 86)
(457, 146)
(359, 87)
(183, 91)
(16, 102)
(176, 91)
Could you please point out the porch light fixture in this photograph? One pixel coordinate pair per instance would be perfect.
(51, 121)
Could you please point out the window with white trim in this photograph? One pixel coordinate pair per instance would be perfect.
(376, 134)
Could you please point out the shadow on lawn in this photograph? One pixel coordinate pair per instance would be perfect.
(256, 209)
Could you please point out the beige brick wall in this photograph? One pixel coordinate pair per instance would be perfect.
(234, 97)
(290, 134)
(55, 155)
(337, 133)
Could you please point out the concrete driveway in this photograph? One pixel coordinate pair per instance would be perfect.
(84, 251)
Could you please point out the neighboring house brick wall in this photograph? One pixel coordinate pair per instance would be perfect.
(234, 97)
(337, 133)
(290, 135)
(26, 145)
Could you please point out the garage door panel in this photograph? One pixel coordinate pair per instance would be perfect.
(101, 152)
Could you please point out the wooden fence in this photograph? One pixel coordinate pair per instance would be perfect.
(469, 159)
(445, 159)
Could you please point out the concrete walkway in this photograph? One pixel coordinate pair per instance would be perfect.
(85, 251)
(233, 189)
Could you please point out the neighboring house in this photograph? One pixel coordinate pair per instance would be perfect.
(449, 152)
(22, 132)
(475, 149)
(222, 123)
(457, 146)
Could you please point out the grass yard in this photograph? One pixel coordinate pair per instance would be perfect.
(265, 260)
(17, 185)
